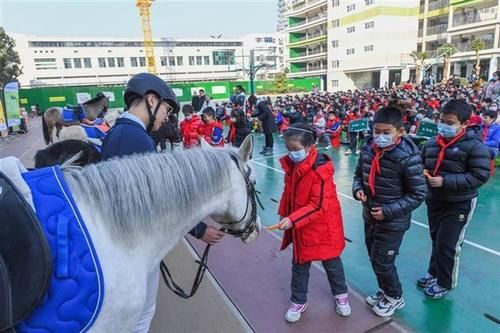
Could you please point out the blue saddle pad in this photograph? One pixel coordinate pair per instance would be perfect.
(72, 115)
(76, 290)
(93, 131)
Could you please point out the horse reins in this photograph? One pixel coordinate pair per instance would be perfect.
(252, 201)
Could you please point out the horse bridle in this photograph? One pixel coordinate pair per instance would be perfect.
(252, 201)
(250, 227)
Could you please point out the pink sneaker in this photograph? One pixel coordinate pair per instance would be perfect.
(294, 312)
(342, 305)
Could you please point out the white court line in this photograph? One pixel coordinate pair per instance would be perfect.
(420, 224)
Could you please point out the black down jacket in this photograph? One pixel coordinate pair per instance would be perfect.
(264, 114)
(465, 167)
(400, 188)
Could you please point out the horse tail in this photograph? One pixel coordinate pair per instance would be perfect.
(45, 127)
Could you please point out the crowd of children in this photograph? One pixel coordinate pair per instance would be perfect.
(393, 176)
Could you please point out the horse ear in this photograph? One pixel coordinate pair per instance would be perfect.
(204, 144)
(246, 149)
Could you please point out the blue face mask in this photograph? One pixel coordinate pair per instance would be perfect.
(383, 140)
(447, 131)
(298, 156)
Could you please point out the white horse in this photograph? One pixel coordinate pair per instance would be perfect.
(138, 208)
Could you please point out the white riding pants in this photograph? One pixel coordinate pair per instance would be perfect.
(150, 305)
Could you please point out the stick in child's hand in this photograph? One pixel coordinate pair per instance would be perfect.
(273, 227)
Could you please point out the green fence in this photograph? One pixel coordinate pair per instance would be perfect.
(221, 90)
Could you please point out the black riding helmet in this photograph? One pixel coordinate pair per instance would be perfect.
(143, 83)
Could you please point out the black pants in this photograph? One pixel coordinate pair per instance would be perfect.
(383, 247)
(448, 222)
(353, 139)
(269, 139)
(300, 279)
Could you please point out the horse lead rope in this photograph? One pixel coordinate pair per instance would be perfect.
(174, 287)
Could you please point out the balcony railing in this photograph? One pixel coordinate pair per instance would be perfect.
(437, 29)
(420, 32)
(309, 53)
(438, 4)
(467, 47)
(471, 17)
(307, 36)
(309, 20)
(312, 68)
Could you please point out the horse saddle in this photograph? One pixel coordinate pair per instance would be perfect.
(73, 113)
(25, 258)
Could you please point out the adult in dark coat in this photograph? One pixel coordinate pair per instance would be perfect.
(240, 128)
(265, 116)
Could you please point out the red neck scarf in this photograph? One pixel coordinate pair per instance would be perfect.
(485, 132)
(441, 141)
(375, 166)
(232, 133)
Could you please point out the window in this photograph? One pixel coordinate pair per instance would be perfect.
(206, 60)
(336, 23)
(223, 57)
(369, 25)
(77, 62)
(336, 3)
(133, 62)
(198, 60)
(350, 51)
(87, 63)
(142, 61)
(102, 62)
(67, 63)
(171, 61)
(369, 2)
(350, 8)
(335, 83)
(111, 62)
(163, 61)
(335, 43)
(259, 40)
(120, 62)
(45, 63)
(191, 61)
(351, 29)
(368, 48)
(180, 61)
(268, 40)
(335, 63)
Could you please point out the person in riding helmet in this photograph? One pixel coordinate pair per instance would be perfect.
(148, 100)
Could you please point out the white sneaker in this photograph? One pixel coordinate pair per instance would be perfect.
(294, 312)
(342, 305)
(374, 299)
(348, 152)
(388, 305)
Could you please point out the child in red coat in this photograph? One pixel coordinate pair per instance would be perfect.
(211, 130)
(310, 213)
(334, 129)
(189, 127)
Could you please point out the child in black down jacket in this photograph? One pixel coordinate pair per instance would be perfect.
(456, 164)
(240, 128)
(389, 181)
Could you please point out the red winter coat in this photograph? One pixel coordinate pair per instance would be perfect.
(189, 131)
(212, 133)
(310, 201)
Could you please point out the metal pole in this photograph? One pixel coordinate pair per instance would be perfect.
(251, 72)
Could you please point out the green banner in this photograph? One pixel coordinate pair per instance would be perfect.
(359, 125)
(11, 96)
(427, 129)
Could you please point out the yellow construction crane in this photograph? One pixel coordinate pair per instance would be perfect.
(144, 10)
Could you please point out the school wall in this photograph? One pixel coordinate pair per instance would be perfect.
(48, 97)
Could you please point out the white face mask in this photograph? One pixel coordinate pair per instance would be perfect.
(189, 117)
(298, 156)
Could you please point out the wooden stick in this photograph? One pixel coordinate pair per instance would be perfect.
(273, 227)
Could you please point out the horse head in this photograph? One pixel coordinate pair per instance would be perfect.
(240, 218)
(96, 107)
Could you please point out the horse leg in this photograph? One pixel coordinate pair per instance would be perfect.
(58, 130)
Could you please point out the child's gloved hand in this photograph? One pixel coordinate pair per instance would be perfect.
(286, 224)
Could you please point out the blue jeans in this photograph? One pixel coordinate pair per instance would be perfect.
(300, 279)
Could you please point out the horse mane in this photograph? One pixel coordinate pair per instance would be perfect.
(139, 192)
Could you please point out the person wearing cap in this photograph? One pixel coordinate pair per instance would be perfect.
(149, 100)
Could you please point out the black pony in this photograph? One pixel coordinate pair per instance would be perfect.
(60, 152)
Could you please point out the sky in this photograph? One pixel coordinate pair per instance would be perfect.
(115, 18)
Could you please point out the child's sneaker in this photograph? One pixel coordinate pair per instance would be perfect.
(426, 281)
(348, 152)
(294, 312)
(375, 298)
(342, 305)
(387, 306)
(435, 291)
